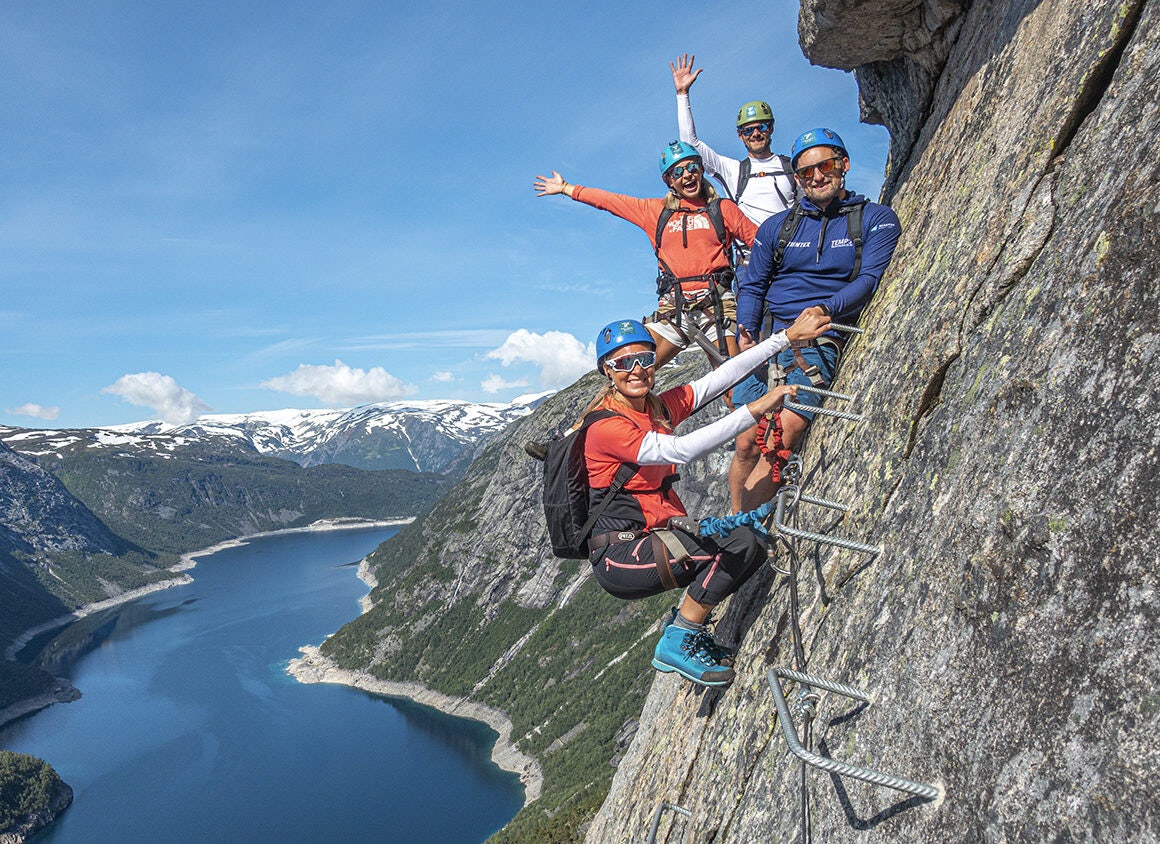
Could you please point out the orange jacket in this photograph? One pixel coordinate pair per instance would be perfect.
(690, 246)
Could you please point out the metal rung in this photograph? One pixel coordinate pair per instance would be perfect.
(821, 538)
(930, 792)
(848, 329)
(830, 394)
(707, 346)
(656, 822)
(824, 502)
(824, 411)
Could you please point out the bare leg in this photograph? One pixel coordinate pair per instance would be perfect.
(666, 351)
(693, 611)
(758, 487)
(746, 457)
(793, 427)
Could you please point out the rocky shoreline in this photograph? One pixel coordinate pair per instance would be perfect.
(313, 667)
(62, 691)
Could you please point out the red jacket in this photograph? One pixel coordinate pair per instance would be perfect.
(646, 501)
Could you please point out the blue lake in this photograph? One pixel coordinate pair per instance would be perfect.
(190, 729)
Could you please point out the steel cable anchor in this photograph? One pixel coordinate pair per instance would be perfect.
(656, 821)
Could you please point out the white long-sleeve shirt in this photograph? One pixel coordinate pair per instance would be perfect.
(771, 187)
(657, 448)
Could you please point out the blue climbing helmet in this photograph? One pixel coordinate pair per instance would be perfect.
(675, 152)
(815, 138)
(617, 335)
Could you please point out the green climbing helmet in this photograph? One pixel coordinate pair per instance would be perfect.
(753, 111)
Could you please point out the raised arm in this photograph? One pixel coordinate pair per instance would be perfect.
(720, 166)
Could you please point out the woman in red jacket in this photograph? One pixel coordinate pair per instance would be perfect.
(633, 554)
(695, 281)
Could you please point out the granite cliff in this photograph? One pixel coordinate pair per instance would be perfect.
(1008, 464)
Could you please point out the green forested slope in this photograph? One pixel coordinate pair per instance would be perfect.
(471, 603)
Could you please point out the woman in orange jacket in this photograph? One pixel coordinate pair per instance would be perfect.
(692, 230)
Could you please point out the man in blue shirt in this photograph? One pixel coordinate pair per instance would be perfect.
(818, 266)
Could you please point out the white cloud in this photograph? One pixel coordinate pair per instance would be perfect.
(161, 393)
(34, 410)
(560, 356)
(341, 385)
(443, 377)
(494, 383)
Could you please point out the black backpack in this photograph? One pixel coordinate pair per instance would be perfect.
(566, 490)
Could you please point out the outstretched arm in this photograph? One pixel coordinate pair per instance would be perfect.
(811, 323)
(551, 185)
(658, 448)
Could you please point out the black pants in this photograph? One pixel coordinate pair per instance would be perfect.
(716, 568)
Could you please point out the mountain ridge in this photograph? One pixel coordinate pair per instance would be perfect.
(434, 435)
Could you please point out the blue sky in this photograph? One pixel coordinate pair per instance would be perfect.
(238, 207)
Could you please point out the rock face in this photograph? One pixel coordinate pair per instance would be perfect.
(37, 513)
(1008, 466)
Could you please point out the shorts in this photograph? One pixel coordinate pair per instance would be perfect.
(752, 387)
(703, 318)
(755, 385)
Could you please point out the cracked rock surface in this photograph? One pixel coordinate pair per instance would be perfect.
(1008, 466)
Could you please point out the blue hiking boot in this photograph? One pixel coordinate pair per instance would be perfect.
(687, 653)
(722, 653)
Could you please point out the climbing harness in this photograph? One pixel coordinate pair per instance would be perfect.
(745, 173)
(711, 303)
(719, 281)
(812, 371)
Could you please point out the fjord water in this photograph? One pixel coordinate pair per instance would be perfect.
(190, 729)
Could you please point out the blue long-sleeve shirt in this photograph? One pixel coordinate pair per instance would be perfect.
(817, 265)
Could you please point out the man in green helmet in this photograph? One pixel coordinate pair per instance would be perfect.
(761, 184)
